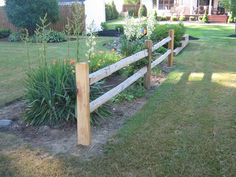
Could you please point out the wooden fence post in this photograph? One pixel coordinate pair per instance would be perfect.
(147, 77)
(171, 47)
(83, 102)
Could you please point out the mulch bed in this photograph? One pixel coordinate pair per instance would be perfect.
(109, 33)
(193, 38)
(232, 35)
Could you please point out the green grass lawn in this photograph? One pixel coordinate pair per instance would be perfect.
(186, 129)
(14, 63)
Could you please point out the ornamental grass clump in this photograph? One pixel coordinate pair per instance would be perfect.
(51, 89)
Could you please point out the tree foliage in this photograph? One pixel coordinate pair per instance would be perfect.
(26, 14)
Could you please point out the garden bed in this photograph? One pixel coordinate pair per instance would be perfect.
(62, 138)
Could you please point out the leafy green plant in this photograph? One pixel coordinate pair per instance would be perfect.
(205, 18)
(133, 92)
(102, 59)
(142, 11)
(4, 33)
(14, 37)
(129, 47)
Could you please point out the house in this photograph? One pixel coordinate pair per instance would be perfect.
(184, 7)
(94, 11)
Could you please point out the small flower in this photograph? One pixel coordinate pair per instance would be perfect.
(72, 62)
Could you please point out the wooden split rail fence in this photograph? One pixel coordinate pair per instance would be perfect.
(84, 80)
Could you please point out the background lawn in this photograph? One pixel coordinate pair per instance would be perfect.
(14, 63)
(187, 128)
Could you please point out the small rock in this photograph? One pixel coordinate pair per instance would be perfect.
(5, 123)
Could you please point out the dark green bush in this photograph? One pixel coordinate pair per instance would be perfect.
(161, 32)
(119, 28)
(174, 18)
(15, 37)
(111, 11)
(142, 12)
(26, 14)
(162, 18)
(4, 33)
(51, 95)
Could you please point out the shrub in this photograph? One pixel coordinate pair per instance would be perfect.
(191, 18)
(200, 18)
(142, 11)
(50, 37)
(111, 11)
(25, 14)
(161, 32)
(205, 18)
(51, 95)
(54, 36)
(4, 33)
(15, 37)
(173, 18)
(119, 28)
(102, 59)
(129, 47)
(182, 18)
(163, 18)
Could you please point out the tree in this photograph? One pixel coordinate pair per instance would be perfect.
(27, 13)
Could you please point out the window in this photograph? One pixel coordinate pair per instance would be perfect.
(166, 4)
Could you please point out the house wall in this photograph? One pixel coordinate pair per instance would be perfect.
(95, 12)
(148, 4)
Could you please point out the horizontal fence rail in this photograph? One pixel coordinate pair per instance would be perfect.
(84, 80)
(107, 71)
